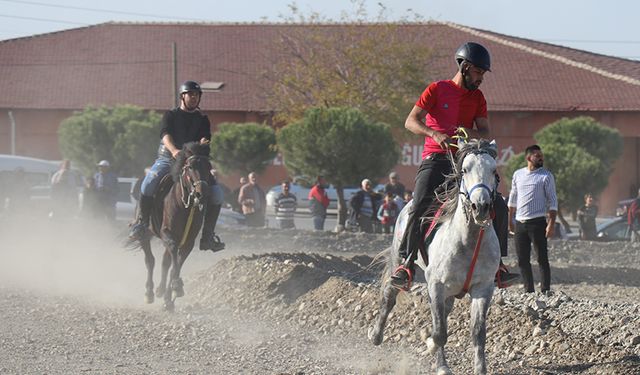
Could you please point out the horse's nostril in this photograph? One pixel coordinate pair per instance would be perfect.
(474, 207)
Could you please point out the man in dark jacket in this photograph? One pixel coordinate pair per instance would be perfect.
(364, 206)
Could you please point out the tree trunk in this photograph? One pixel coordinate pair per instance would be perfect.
(342, 209)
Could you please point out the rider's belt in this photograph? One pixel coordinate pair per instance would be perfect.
(534, 220)
(164, 152)
(436, 156)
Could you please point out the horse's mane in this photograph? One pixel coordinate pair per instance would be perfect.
(448, 192)
(189, 149)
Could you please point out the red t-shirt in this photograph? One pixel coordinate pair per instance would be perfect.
(449, 107)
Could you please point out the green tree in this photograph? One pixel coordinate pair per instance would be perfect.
(126, 135)
(603, 142)
(363, 62)
(580, 152)
(341, 144)
(243, 147)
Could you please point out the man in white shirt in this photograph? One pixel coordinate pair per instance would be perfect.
(532, 197)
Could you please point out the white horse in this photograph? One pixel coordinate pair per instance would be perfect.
(465, 233)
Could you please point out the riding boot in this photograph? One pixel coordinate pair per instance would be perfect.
(209, 240)
(504, 278)
(139, 228)
(403, 275)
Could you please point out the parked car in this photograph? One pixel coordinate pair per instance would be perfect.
(302, 194)
(614, 229)
(126, 204)
(37, 174)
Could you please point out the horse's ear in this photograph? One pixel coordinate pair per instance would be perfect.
(494, 146)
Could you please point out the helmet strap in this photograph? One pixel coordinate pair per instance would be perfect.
(186, 107)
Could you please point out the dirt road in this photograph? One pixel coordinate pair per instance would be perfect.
(293, 302)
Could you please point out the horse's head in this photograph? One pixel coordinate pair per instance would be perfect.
(192, 170)
(476, 169)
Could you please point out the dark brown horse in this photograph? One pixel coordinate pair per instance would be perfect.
(176, 218)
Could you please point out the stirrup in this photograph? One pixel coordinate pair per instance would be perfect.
(504, 278)
(401, 283)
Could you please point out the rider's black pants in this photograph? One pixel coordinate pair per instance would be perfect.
(431, 174)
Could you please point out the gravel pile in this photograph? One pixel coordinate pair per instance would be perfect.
(332, 295)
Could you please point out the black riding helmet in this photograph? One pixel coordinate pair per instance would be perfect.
(190, 86)
(475, 54)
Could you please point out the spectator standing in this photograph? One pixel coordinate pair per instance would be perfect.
(388, 213)
(532, 197)
(408, 196)
(587, 218)
(107, 189)
(364, 206)
(394, 185)
(235, 205)
(64, 193)
(318, 203)
(285, 207)
(633, 218)
(253, 201)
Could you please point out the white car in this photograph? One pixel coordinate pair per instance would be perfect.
(302, 194)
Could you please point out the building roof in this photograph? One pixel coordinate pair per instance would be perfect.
(118, 63)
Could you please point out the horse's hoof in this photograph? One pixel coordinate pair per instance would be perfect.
(177, 288)
(149, 297)
(444, 371)
(176, 293)
(431, 346)
(169, 306)
(160, 292)
(376, 338)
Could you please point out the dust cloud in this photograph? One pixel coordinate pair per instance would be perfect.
(74, 257)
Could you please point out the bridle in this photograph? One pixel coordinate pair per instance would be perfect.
(466, 193)
(188, 186)
(466, 198)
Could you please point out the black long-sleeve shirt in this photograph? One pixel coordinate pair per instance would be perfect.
(185, 127)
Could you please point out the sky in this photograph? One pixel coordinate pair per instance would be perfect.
(606, 27)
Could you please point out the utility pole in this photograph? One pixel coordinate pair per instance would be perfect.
(12, 120)
(174, 87)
